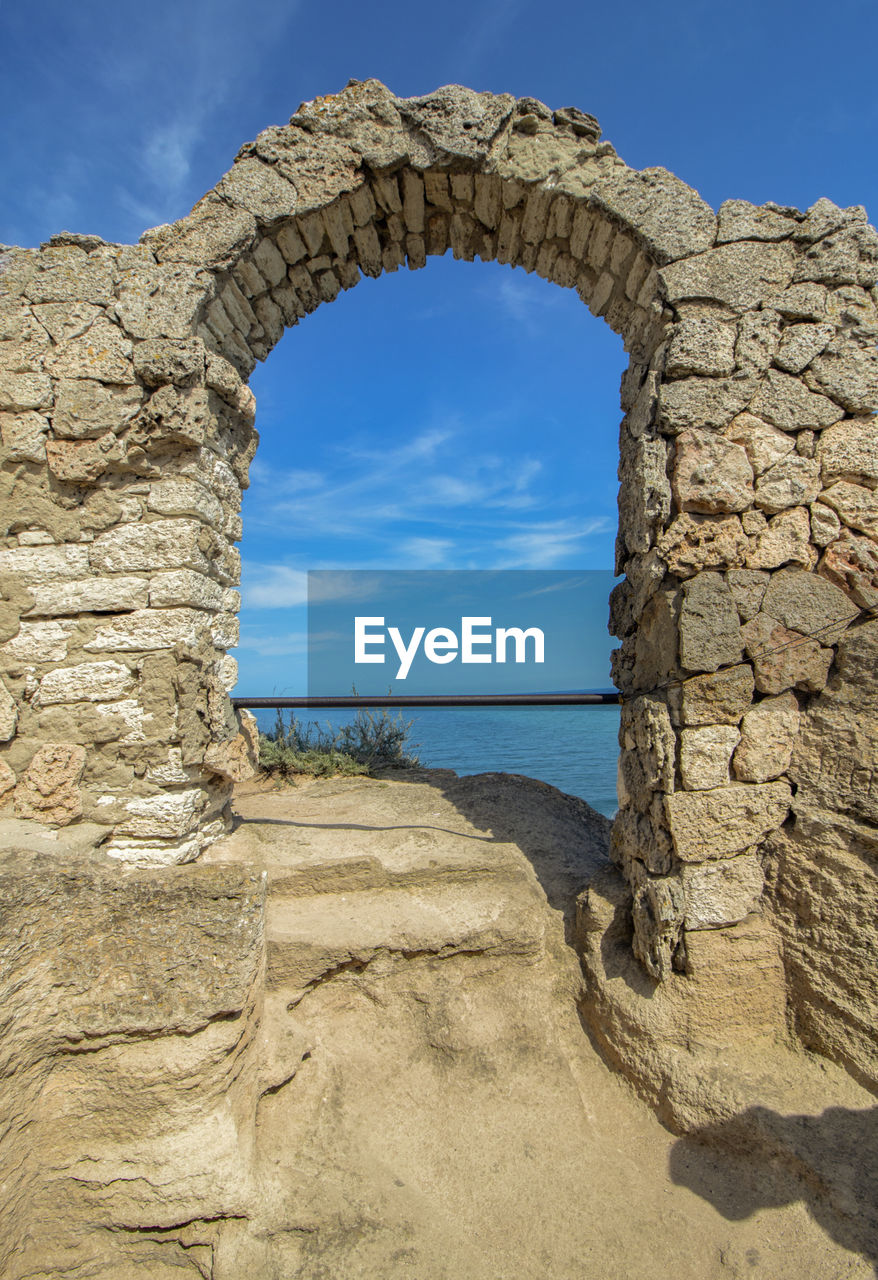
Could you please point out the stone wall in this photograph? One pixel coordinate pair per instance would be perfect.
(748, 514)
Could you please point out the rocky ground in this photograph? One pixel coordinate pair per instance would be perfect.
(351, 1043)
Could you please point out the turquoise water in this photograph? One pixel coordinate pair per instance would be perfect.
(573, 748)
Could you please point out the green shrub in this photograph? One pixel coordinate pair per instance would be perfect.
(374, 741)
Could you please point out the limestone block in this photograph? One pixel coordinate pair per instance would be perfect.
(645, 729)
(701, 345)
(225, 630)
(87, 409)
(154, 851)
(758, 341)
(784, 659)
(697, 403)
(849, 451)
(63, 320)
(711, 474)
(168, 814)
(848, 372)
(90, 595)
(45, 563)
(743, 275)
(39, 642)
(716, 894)
(848, 256)
(162, 301)
(671, 218)
(162, 544)
(803, 302)
(765, 445)
(234, 760)
(212, 235)
(785, 540)
(787, 403)
(740, 220)
(710, 633)
(855, 504)
(149, 629)
(825, 524)
(693, 542)
(706, 825)
(184, 587)
(103, 353)
(657, 913)
(48, 791)
(67, 274)
(227, 674)
(792, 482)
(22, 391)
(714, 699)
(132, 715)
(808, 603)
(851, 562)
(645, 495)
(85, 682)
(801, 343)
(7, 783)
(83, 461)
(705, 754)
(220, 376)
(768, 733)
(271, 262)
(24, 436)
(640, 840)
(8, 714)
(258, 188)
(177, 361)
(748, 588)
(184, 497)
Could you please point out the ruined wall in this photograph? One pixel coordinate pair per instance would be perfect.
(748, 531)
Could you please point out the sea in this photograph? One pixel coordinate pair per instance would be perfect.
(573, 748)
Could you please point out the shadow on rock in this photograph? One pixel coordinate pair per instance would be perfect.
(829, 1161)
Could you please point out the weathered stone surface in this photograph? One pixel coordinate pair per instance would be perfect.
(768, 732)
(91, 595)
(807, 603)
(784, 540)
(24, 436)
(82, 461)
(693, 542)
(706, 825)
(710, 633)
(45, 563)
(825, 524)
(851, 562)
(748, 588)
(705, 754)
(7, 783)
(22, 391)
(849, 451)
(848, 372)
(765, 445)
(784, 659)
(162, 301)
(800, 344)
(183, 497)
(148, 629)
(856, 505)
(184, 587)
(721, 893)
(743, 276)
(712, 475)
(696, 403)
(740, 220)
(701, 345)
(8, 714)
(657, 913)
(86, 682)
(87, 409)
(672, 219)
(792, 482)
(162, 544)
(235, 759)
(646, 732)
(39, 642)
(787, 403)
(103, 353)
(714, 699)
(49, 788)
(645, 495)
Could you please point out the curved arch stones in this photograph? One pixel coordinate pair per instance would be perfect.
(747, 507)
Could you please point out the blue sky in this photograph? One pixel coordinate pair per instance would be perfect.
(464, 416)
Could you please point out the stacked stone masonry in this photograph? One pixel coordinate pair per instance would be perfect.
(748, 503)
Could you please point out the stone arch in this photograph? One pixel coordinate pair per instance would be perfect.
(747, 468)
